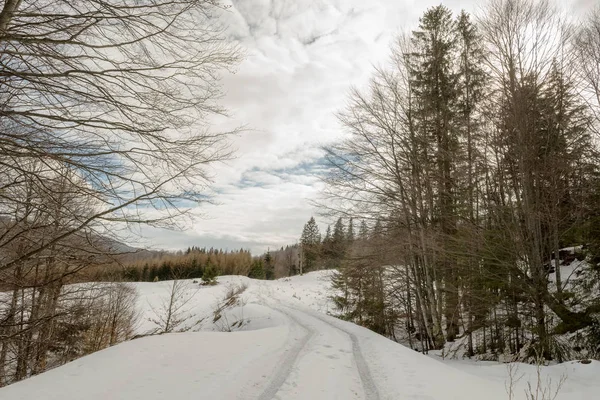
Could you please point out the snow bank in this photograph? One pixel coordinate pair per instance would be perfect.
(199, 365)
(580, 380)
(283, 346)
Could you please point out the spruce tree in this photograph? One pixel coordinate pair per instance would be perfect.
(350, 232)
(327, 252)
(435, 84)
(338, 243)
(311, 245)
(257, 271)
(211, 272)
(269, 266)
(471, 83)
(327, 237)
(363, 232)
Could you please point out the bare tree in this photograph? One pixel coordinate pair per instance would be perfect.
(587, 49)
(173, 312)
(105, 122)
(119, 95)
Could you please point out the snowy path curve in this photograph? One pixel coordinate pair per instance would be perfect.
(287, 363)
(369, 386)
(320, 334)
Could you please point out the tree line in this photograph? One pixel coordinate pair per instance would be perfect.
(313, 251)
(473, 158)
(194, 262)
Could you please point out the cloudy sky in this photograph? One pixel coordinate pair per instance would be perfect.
(302, 56)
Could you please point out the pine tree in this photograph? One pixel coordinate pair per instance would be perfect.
(257, 271)
(471, 82)
(327, 237)
(435, 86)
(269, 267)
(338, 244)
(363, 232)
(350, 232)
(209, 277)
(327, 252)
(311, 245)
(338, 231)
(341, 294)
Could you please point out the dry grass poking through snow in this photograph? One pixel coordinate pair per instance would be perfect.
(231, 299)
(541, 389)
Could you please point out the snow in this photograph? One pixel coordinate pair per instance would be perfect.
(580, 380)
(283, 346)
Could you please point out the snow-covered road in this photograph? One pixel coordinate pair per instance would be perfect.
(314, 366)
(287, 348)
(339, 360)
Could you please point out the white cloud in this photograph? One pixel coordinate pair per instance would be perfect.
(302, 58)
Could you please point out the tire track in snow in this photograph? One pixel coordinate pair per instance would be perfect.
(368, 384)
(289, 360)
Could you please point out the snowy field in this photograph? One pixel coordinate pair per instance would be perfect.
(274, 340)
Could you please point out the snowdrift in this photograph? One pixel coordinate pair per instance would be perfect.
(276, 342)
